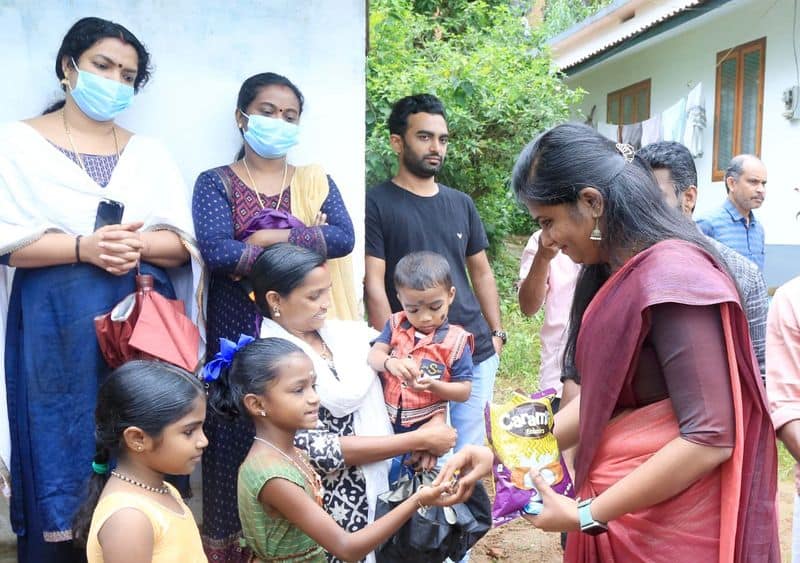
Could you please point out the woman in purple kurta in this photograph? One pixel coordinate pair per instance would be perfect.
(223, 205)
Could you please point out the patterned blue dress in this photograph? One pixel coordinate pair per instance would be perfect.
(218, 221)
(53, 369)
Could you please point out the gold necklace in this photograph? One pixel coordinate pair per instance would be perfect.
(315, 481)
(162, 490)
(326, 354)
(72, 142)
(255, 187)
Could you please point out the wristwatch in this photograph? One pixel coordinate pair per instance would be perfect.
(588, 524)
(501, 334)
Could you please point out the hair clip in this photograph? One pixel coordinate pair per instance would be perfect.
(224, 358)
(100, 468)
(627, 151)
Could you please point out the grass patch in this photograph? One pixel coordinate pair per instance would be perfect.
(786, 463)
(519, 367)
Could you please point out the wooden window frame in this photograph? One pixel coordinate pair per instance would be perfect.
(628, 90)
(738, 52)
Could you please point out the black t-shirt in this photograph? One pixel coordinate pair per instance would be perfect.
(399, 222)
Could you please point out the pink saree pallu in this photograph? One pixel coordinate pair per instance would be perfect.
(682, 529)
(728, 516)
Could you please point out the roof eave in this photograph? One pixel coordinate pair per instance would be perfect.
(626, 42)
(607, 11)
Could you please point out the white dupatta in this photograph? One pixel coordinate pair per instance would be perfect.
(42, 191)
(357, 389)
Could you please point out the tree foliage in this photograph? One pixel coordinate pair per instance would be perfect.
(497, 82)
(560, 15)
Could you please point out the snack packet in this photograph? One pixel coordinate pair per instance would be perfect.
(520, 432)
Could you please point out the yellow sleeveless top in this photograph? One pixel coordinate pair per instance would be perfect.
(175, 536)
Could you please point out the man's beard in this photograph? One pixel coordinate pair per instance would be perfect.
(420, 168)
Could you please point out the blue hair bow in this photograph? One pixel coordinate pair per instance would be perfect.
(224, 358)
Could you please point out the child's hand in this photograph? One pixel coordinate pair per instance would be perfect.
(403, 368)
(462, 471)
(430, 494)
(436, 437)
(412, 369)
(422, 461)
(421, 384)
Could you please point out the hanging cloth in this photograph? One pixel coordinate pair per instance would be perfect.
(695, 121)
(632, 135)
(673, 120)
(651, 130)
(609, 131)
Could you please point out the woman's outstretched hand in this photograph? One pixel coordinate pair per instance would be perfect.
(436, 437)
(462, 471)
(559, 513)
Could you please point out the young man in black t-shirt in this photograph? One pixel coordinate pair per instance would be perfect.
(411, 212)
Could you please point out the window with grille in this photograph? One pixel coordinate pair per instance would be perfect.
(738, 105)
(630, 104)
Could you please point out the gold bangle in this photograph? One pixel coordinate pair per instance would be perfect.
(419, 502)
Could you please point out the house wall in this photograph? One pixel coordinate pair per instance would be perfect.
(677, 60)
(201, 53)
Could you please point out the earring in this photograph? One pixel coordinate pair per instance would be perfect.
(263, 413)
(139, 448)
(596, 235)
(276, 312)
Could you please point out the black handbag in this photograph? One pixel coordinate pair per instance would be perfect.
(435, 533)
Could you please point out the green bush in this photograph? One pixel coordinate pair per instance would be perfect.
(495, 78)
(560, 15)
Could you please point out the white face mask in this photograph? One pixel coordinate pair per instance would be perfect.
(270, 137)
(100, 98)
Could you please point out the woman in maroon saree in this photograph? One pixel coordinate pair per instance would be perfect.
(675, 449)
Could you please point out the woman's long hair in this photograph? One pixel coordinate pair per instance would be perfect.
(86, 32)
(143, 393)
(559, 163)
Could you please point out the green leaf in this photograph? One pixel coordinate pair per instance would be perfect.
(476, 56)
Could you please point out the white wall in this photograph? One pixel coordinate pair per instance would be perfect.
(679, 59)
(202, 51)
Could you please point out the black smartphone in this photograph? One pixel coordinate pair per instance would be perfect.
(109, 212)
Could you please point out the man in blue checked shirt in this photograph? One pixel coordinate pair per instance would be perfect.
(734, 224)
(676, 175)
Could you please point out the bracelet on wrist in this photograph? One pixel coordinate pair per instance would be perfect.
(78, 249)
(501, 334)
(386, 361)
(421, 506)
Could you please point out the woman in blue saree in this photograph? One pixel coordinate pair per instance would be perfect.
(59, 271)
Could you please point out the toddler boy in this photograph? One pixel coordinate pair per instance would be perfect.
(423, 360)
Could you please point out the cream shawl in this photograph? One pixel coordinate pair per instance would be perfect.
(309, 191)
(43, 191)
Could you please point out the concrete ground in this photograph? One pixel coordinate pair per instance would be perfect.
(8, 541)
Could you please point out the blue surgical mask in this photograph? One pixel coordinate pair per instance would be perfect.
(270, 137)
(100, 98)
